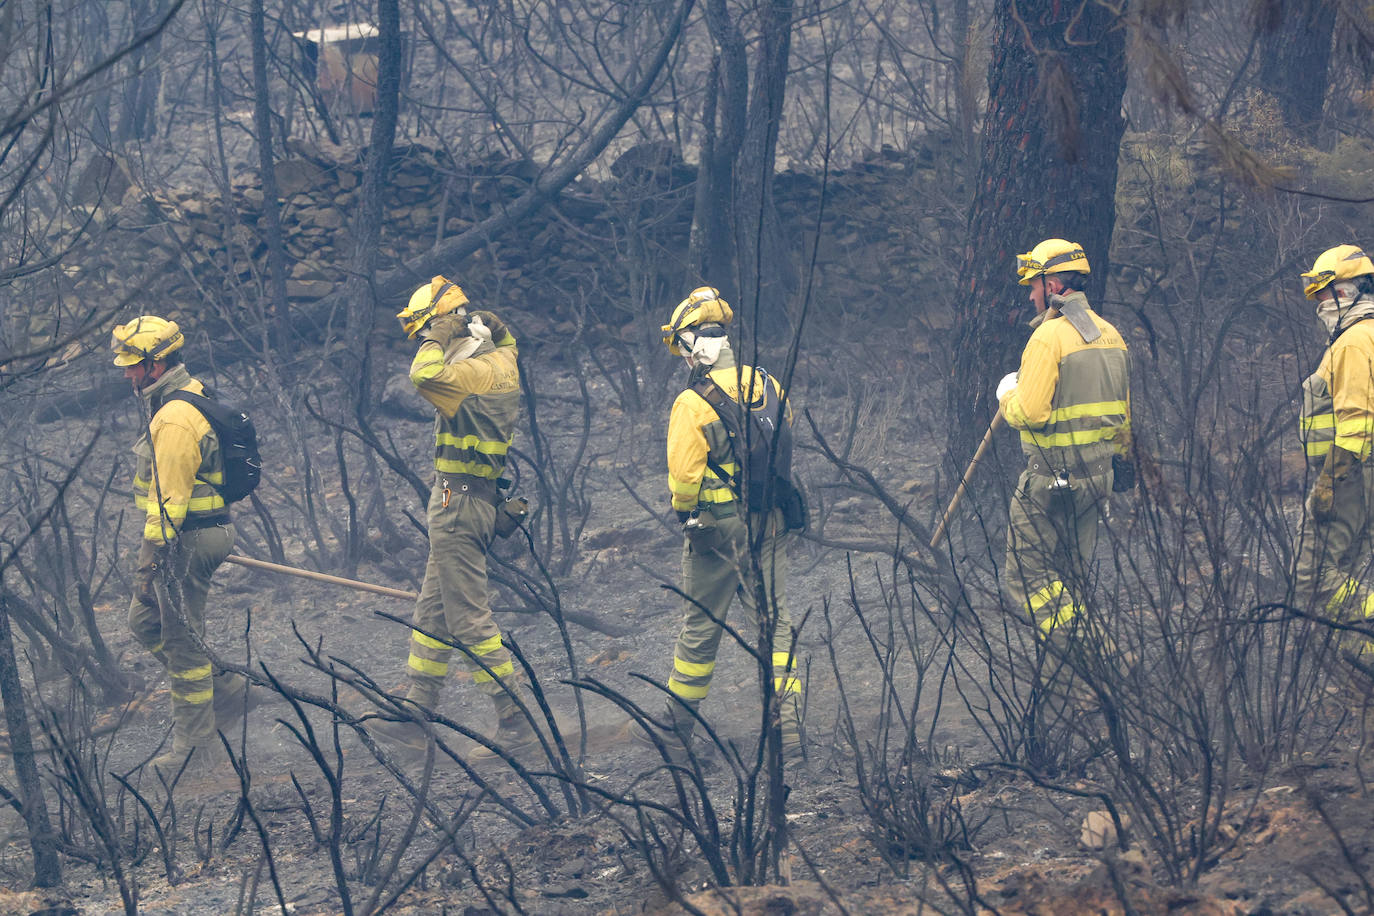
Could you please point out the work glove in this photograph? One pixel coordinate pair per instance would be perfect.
(1339, 465)
(151, 557)
(443, 329)
(1007, 384)
(500, 334)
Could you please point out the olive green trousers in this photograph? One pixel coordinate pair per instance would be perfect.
(165, 629)
(453, 603)
(1334, 556)
(716, 567)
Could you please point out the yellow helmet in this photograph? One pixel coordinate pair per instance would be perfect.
(146, 337)
(437, 297)
(703, 306)
(1052, 256)
(1344, 262)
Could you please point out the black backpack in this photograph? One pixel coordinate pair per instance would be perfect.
(238, 443)
(770, 449)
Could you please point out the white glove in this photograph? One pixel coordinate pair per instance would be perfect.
(1005, 386)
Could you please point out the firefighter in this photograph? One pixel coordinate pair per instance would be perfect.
(187, 533)
(466, 368)
(716, 563)
(1336, 430)
(1071, 401)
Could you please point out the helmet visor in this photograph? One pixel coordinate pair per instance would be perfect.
(1316, 281)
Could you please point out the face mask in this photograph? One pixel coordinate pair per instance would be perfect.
(1328, 313)
(706, 350)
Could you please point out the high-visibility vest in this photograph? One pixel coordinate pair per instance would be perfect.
(1089, 414)
(477, 438)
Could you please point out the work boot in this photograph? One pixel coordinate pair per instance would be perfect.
(792, 750)
(677, 739)
(514, 735)
(672, 742)
(405, 739)
(192, 763)
(233, 701)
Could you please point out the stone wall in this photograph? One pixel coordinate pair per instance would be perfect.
(600, 254)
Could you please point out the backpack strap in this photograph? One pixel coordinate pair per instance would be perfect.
(190, 397)
(1338, 333)
(710, 393)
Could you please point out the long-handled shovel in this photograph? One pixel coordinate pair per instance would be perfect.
(321, 577)
(963, 481)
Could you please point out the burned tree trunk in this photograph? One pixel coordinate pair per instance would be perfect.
(367, 225)
(737, 239)
(725, 113)
(271, 208)
(1049, 152)
(138, 117)
(767, 275)
(1294, 69)
(47, 869)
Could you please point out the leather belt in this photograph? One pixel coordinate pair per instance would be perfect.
(481, 487)
(201, 522)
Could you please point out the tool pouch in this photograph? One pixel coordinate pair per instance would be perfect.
(511, 512)
(1123, 474)
(792, 501)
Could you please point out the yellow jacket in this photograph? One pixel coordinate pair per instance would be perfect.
(1338, 399)
(695, 431)
(183, 448)
(1072, 398)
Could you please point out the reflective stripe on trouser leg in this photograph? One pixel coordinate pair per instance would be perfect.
(788, 688)
(194, 685)
(427, 666)
(691, 680)
(1051, 607)
(194, 561)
